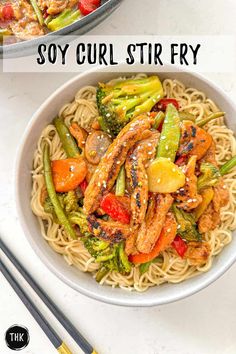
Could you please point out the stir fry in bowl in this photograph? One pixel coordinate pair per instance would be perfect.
(134, 182)
(26, 19)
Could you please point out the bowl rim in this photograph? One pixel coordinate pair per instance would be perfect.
(103, 11)
(129, 302)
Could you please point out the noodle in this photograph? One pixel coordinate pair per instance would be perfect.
(172, 268)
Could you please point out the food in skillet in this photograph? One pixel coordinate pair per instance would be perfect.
(134, 182)
(26, 19)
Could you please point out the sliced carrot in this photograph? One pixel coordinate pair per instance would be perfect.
(165, 239)
(79, 134)
(95, 125)
(194, 140)
(68, 173)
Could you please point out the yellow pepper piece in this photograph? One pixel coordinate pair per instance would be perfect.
(164, 176)
(207, 196)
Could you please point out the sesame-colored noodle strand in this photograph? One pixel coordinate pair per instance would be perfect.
(172, 269)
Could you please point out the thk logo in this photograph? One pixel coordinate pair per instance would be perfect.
(17, 337)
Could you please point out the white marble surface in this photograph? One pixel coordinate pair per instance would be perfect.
(204, 323)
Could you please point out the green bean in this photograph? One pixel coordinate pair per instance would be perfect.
(184, 115)
(228, 166)
(37, 11)
(158, 119)
(53, 195)
(170, 134)
(120, 182)
(47, 20)
(67, 140)
(66, 18)
(124, 258)
(212, 116)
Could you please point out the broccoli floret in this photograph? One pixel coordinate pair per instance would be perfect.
(112, 257)
(49, 208)
(95, 246)
(122, 101)
(209, 177)
(78, 218)
(187, 225)
(70, 201)
(115, 259)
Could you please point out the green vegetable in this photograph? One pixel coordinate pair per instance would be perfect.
(122, 101)
(97, 247)
(111, 256)
(66, 18)
(158, 119)
(102, 124)
(212, 116)
(143, 268)
(61, 216)
(209, 177)
(187, 225)
(70, 201)
(207, 196)
(170, 134)
(101, 273)
(184, 115)
(105, 257)
(37, 11)
(120, 182)
(47, 20)
(49, 208)
(122, 256)
(79, 218)
(67, 140)
(228, 166)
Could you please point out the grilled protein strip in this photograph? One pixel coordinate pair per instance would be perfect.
(112, 231)
(108, 169)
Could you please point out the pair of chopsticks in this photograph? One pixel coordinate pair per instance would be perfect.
(43, 323)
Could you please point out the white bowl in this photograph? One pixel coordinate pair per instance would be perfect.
(83, 282)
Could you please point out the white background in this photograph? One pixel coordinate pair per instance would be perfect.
(202, 324)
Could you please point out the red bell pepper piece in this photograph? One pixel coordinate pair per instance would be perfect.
(45, 13)
(118, 208)
(163, 103)
(180, 246)
(83, 185)
(96, 2)
(88, 6)
(180, 161)
(7, 12)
